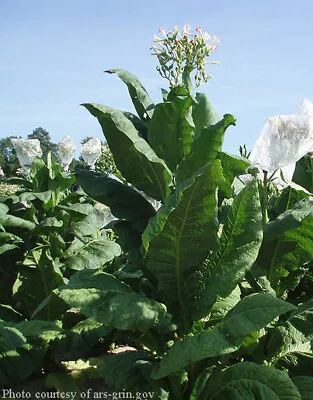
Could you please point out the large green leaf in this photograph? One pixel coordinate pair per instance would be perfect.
(305, 386)
(302, 319)
(285, 340)
(45, 331)
(170, 132)
(285, 200)
(288, 245)
(124, 202)
(204, 148)
(140, 98)
(10, 221)
(18, 364)
(37, 277)
(10, 337)
(181, 234)
(232, 167)
(241, 239)
(250, 315)
(128, 369)
(203, 113)
(133, 156)
(303, 174)
(91, 253)
(110, 301)
(297, 363)
(248, 381)
(77, 342)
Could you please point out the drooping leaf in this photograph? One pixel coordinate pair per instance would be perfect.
(126, 370)
(10, 221)
(106, 299)
(302, 319)
(133, 156)
(249, 381)
(170, 132)
(204, 148)
(249, 315)
(18, 364)
(10, 337)
(296, 363)
(203, 113)
(91, 253)
(241, 239)
(181, 235)
(232, 167)
(303, 174)
(37, 277)
(285, 340)
(46, 331)
(288, 245)
(77, 342)
(304, 385)
(285, 200)
(124, 202)
(140, 97)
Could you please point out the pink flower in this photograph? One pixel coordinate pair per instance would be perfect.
(206, 36)
(213, 47)
(157, 39)
(162, 31)
(216, 39)
(186, 29)
(199, 29)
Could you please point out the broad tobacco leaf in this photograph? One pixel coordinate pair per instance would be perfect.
(181, 234)
(205, 148)
(124, 202)
(140, 97)
(170, 132)
(90, 253)
(249, 315)
(203, 113)
(133, 156)
(37, 277)
(241, 239)
(247, 381)
(288, 245)
(106, 299)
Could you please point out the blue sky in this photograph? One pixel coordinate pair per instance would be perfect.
(53, 54)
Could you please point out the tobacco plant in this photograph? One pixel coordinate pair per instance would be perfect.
(210, 298)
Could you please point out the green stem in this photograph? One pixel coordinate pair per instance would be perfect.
(264, 198)
(187, 80)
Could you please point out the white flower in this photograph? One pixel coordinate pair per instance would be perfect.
(1, 172)
(91, 151)
(27, 151)
(66, 151)
(186, 29)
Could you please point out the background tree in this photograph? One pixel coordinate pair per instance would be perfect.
(8, 159)
(45, 141)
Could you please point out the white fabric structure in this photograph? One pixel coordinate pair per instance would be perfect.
(66, 151)
(283, 141)
(91, 151)
(27, 151)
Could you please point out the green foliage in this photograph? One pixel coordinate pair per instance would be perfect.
(8, 159)
(177, 279)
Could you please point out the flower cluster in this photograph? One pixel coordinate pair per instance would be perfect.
(182, 53)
